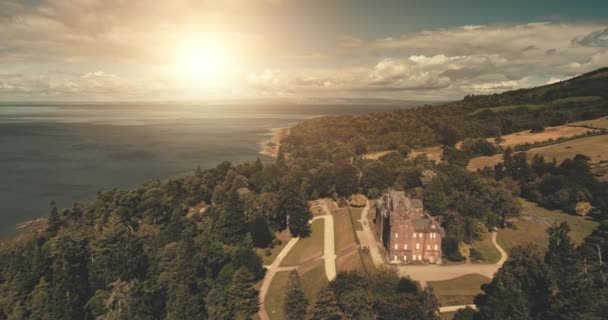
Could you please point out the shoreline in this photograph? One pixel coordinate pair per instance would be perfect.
(271, 147)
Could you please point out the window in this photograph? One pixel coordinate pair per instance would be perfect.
(396, 246)
(396, 235)
(415, 235)
(419, 257)
(435, 247)
(405, 246)
(395, 257)
(417, 246)
(404, 257)
(428, 247)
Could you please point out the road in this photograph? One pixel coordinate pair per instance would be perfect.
(329, 244)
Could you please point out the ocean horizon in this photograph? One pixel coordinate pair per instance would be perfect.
(68, 152)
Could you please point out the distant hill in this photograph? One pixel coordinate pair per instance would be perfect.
(593, 84)
(581, 98)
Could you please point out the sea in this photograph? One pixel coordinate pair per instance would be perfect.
(69, 152)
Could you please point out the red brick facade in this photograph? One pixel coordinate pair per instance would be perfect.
(408, 233)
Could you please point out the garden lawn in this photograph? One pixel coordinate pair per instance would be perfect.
(307, 248)
(458, 291)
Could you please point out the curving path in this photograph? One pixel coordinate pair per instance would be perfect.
(329, 255)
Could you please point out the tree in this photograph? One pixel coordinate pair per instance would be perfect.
(376, 175)
(294, 205)
(296, 303)
(521, 289)
(326, 307)
(244, 296)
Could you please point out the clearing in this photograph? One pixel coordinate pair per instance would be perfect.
(553, 133)
(532, 225)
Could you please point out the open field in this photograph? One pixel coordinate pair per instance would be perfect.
(487, 250)
(601, 123)
(376, 155)
(581, 227)
(595, 147)
(307, 248)
(485, 161)
(565, 131)
(458, 291)
(432, 153)
(314, 279)
(529, 230)
(284, 236)
(344, 232)
(276, 296)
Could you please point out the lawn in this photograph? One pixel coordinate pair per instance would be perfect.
(276, 296)
(314, 279)
(344, 232)
(581, 227)
(355, 216)
(307, 248)
(487, 250)
(350, 262)
(528, 230)
(458, 291)
(284, 236)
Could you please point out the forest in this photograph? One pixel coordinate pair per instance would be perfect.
(184, 248)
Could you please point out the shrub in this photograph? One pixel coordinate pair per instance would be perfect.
(357, 200)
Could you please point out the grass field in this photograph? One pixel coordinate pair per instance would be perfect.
(554, 133)
(489, 253)
(432, 153)
(314, 279)
(276, 296)
(307, 248)
(595, 147)
(458, 291)
(344, 232)
(596, 123)
(284, 236)
(376, 155)
(528, 230)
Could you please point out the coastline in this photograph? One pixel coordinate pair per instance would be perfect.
(271, 146)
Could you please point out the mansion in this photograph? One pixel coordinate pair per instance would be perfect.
(408, 233)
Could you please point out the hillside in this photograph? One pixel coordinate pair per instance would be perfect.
(581, 98)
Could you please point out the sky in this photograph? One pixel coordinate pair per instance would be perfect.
(225, 50)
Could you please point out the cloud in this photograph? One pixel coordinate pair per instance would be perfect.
(597, 38)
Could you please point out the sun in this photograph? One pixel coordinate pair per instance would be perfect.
(204, 61)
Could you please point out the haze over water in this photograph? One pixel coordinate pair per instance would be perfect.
(67, 153)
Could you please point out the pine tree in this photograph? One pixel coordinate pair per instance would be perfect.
(243, 295)
(326, 307)
(293, 204)
(296, 303)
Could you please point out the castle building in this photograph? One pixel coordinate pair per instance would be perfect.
(408, 233)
